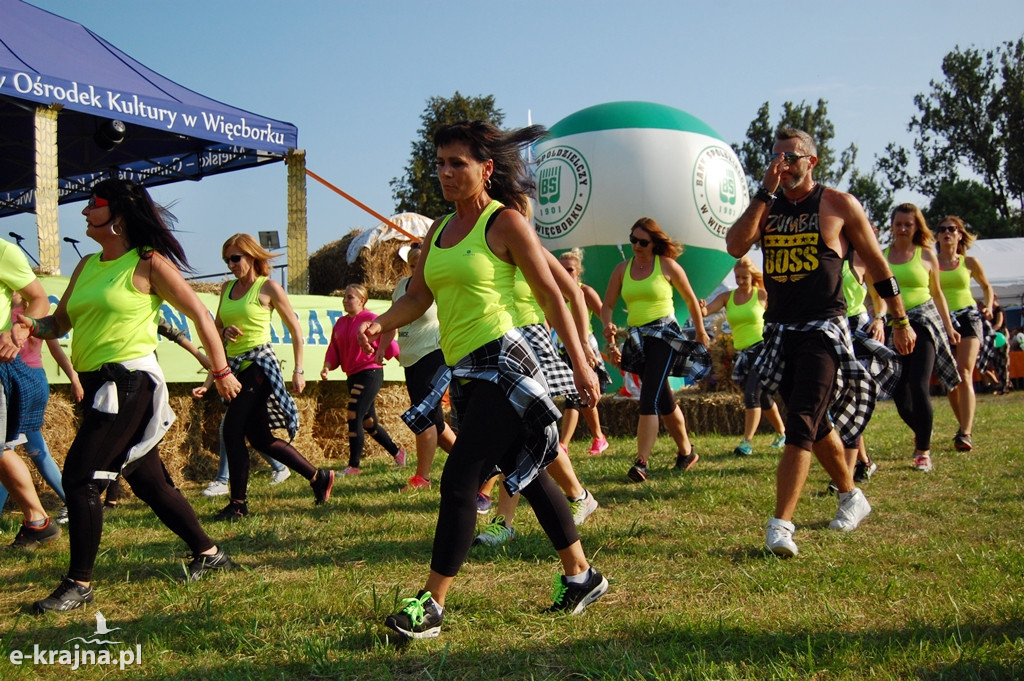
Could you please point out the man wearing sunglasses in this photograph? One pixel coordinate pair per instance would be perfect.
(805, 231)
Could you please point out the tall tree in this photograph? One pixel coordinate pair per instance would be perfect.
(753, 152)
(972, 120)
(417, 190)
(974, 203)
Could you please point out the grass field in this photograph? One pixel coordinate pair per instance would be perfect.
(930, 586)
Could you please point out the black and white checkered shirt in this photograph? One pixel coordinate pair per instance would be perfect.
(281, 409)
(855, 392)
(511, 364)
(690, 360)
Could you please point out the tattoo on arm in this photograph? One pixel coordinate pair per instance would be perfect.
(47, 327)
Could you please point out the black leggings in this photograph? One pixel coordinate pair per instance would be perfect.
(655, 392)
(754, 395)
(362, 392)
(246, 417)
(101, 445)
(912, 394)
(491, 434)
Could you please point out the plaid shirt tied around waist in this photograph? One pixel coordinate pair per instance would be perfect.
(510, 363)
(690, 360)
(855, 392)
(281, 409)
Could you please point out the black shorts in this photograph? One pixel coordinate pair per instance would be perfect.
(808, 384)
(967, 324)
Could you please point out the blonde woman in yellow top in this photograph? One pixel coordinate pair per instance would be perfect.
(956, 269)
(744, 310)
(243, 318)
(655, 346)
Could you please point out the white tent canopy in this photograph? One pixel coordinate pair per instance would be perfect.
(1003, 262)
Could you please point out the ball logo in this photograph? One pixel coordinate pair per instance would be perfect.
(563, 191)
(718, 183)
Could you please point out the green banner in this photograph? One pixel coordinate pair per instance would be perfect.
(317, 315)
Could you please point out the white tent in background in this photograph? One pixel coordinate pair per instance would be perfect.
(1003, 262)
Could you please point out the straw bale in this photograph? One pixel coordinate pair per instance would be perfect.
(378, 268)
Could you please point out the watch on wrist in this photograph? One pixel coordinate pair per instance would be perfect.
(762, 194)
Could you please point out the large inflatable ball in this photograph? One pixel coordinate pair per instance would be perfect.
(603, 168)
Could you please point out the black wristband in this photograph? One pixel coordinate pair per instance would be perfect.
(762, 194)
(887, 288)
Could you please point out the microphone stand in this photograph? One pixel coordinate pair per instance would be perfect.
(19, 239)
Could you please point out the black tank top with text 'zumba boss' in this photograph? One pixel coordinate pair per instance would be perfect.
(802, 275)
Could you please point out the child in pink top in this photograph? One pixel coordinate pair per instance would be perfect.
(364, 377)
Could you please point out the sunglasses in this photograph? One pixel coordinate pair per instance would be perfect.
(789, 157)
(642, 243)
(945, 228)
(232, 259)
(97, 202)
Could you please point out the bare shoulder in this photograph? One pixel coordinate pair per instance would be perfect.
(841, 203)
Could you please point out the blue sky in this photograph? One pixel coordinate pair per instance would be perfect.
(355, 76)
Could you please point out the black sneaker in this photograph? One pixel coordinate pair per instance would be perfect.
(832, 489)
(322, 485)
(684, 462)
(31, 538)
(574, 598)
(201, 564)
(235, 510)
(638, 473)
(68, 596)
(418, 618)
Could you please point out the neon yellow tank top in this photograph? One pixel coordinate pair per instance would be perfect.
(647, 299)
(956, 286)
(113, 320)
(854, 292)
(746, 320)
(913, 279)
(527, 310)
(248, 315)
(472, 288)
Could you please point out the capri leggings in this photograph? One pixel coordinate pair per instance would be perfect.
(362, 415)
(655, 392)
(101, 445)
(754, 395)
(246, 417)
(912, 394)
(491, 434)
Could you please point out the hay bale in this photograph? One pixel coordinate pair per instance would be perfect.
(378, 268)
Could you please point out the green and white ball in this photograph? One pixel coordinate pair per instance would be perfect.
(603, 168)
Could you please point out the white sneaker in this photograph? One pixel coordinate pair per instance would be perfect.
(277, 477)
(216, 489)
(778, 537)
(853, 508)
(582, 508)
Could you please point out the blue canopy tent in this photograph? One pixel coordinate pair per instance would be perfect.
(63, 86)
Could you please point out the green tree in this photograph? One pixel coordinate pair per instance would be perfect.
(976, 206)
(874, 196)
(972, 120)
(417, 190)
(753, 152)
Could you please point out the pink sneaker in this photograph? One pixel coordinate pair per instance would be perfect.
(351, 471)
(416, 482)
(400, 459)
(598, 445)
